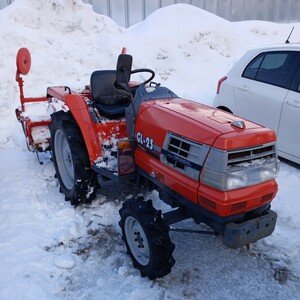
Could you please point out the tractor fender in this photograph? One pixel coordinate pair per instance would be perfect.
(82, 117)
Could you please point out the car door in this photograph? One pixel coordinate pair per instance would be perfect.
(261, 89)
(288, 133)
(259, 102)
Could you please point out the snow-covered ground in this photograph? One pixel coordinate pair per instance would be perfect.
(50, 250)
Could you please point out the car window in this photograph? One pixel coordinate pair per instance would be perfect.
(275, 68)
(251, 70)
(274, 61)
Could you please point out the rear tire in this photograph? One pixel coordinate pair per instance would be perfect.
(77, 181)
(146, 237)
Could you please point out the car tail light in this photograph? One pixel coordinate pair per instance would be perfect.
(220, 82)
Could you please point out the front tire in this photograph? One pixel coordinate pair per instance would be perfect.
(146, 237)
(77, 181)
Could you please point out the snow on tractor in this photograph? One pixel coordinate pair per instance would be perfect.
(207, 165)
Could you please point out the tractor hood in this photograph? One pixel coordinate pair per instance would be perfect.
(200, 123)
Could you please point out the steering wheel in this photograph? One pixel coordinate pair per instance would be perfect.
(144, 70)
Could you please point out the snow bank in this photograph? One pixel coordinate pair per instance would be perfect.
(67, 41)
(191, 49)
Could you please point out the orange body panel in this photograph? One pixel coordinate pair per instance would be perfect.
(204, 125)
(183, 185)
(59, 92)
(236, 201)
(251, 137)
(223, 203)
(94, 134)
(200, 123)
(159, 116)
(80, 112)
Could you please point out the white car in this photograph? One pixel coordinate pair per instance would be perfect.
(264, 87)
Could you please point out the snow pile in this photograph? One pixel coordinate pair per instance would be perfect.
(37, 111)
(191, 49)
(67, 41)
(50, 250)
(55, 32)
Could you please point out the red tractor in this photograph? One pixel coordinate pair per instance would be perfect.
(206, 164)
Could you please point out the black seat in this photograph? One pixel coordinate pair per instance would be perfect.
(109, 100)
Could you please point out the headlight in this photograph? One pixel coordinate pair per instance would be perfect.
(269, 172)
(237, 180)
(249, 176)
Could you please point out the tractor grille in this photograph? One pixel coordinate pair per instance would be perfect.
(251, 156)
(181, 149)
(183, 155)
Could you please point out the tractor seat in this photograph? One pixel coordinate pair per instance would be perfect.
(108, 99)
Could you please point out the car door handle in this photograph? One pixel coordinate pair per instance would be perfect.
(243, 88)
(293, 103)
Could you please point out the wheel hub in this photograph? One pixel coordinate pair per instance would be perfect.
(137, 240)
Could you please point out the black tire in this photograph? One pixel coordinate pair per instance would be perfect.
(146, 237)
(77, 181)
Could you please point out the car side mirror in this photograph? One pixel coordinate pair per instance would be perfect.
(123, 73)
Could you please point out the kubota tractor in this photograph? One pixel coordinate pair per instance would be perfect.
(206, 164)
